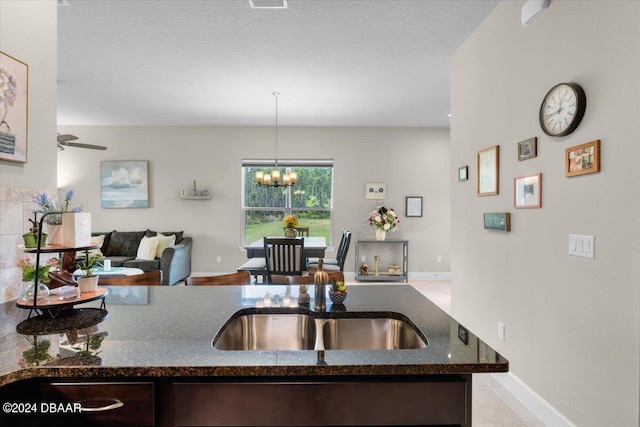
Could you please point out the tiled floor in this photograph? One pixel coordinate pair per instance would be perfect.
(493, 405)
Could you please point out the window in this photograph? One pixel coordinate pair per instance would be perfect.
(310, 199)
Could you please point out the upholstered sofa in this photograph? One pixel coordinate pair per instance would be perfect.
(122, 248)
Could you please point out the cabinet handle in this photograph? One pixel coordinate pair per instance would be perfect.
(115, 405)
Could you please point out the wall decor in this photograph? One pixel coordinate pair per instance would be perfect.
(14, 96)
(582, 159)
(562, 109)
(527, 191)
(463, 173)
(124, 184)
(497, 221)
(488, 166)
(528, 149)
(375, 190)
(414, 206)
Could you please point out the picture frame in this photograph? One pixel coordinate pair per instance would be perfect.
(375, 190)
(124, 184)
(528, 149)
(527, 191)
(488, 171)
(463, 173)
(14, 108)
(497, 221)
(582, 159)
(413, 206)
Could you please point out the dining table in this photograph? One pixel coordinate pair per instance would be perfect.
(314, 247)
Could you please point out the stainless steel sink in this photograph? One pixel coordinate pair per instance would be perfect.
(370, 334)
(267, 332)
(292, 331)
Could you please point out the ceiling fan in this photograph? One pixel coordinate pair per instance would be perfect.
(65, 141)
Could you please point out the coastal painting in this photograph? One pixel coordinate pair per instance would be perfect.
(124, 184)
(14, 87)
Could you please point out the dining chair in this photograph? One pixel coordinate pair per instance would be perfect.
(302, 231)
(285, 257)
(334, 261)
(308, 280)
(149, 278)
(341, 257)
(239, 278)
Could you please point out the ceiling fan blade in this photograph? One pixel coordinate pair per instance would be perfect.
(66, 138)
(81, 145)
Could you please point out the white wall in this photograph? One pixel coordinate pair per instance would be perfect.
(28, 33)
(572, 324)
(412, 161)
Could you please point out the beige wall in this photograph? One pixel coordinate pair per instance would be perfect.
(412, 161)
(28, 33)
(572, 324)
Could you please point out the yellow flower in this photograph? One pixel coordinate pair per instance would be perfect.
(290, 221)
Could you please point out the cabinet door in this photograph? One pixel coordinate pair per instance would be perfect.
(113, 404)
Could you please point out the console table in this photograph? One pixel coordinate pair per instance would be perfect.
(383, 276)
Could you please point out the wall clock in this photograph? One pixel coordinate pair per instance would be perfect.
(562, 109)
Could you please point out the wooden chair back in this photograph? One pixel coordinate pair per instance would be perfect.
(308, 280)
(285, 257)
(239, 278)
(302, 231)
(150, 278)
(343, 249)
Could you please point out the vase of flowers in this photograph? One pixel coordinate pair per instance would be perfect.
(54, 222)
(29, 275)
(290, 223)
(383, 219)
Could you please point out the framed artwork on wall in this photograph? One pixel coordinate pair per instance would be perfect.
(497, 221)
(528, 149)
(14, 96)
(463, 173)
(414, 206)
(582, 159)
(124, 184)
(488, 171)
(527, 191)
(375, 190)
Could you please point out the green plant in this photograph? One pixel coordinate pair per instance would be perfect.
(88, 263)
(29, 270)
(337, 286)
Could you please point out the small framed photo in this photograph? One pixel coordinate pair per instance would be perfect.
(375, 190)
(414, 206)
(463, 173)
(498, 221)
(14, 95)
(528, 149)
(582, 159)
(527, 191)
(488, 167)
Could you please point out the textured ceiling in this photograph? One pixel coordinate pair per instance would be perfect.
(217, 62)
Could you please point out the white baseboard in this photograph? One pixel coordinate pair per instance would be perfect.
(350, 276)
(549, 415)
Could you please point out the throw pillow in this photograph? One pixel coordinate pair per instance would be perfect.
(97, 240)
(148, 248)
(164, 242)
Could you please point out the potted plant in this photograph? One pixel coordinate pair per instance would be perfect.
(290, 224)
(338, 292)
(89, 282)
(54, 222)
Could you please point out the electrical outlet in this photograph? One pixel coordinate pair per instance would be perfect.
(438, 258)
(501, 330)
(363, 258)
(218, 259)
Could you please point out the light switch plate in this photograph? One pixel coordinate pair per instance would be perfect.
(582, 245)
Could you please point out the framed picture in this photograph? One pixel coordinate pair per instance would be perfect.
(14, 96)
(500, 221)
(463, 173)
(488, 171)
(582, 159)
(375, 190)
(414, 206)
(527, 191)
(528, 149)
(124, 184)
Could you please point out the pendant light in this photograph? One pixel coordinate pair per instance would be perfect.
(273, 179)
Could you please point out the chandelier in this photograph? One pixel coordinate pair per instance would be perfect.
(273, 179)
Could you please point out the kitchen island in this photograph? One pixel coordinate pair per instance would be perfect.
(155, 349)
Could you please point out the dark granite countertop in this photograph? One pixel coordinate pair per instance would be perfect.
(163, 331)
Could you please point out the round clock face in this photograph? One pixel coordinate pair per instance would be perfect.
(562, 109)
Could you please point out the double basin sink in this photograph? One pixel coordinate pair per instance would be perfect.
(296, 331)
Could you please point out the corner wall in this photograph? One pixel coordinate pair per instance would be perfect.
(572, 324)
(28, 32)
